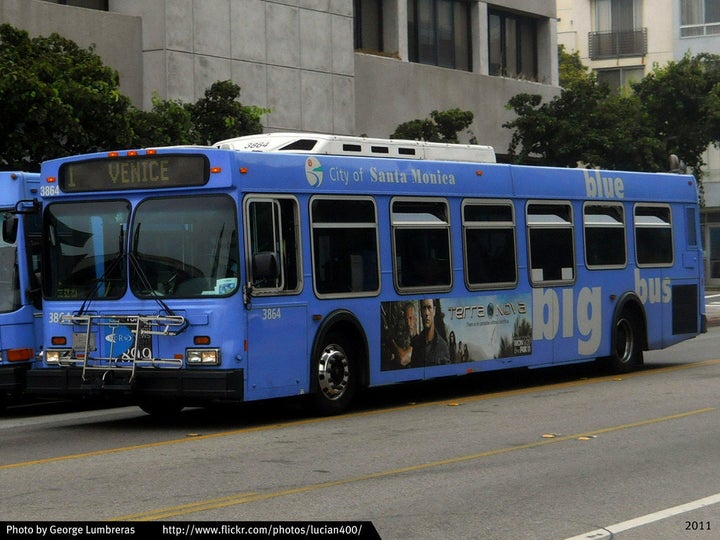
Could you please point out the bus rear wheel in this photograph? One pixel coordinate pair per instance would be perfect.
(626, 344)
(335, 376)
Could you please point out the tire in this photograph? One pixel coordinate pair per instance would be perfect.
(626, 353)
(334, 376)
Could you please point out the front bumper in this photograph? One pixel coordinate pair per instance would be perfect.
(189, 386)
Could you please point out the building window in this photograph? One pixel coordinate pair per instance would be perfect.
(618, 29)
(368, 25)
(513, 45)
(89, 4)
(617, 78)
(699, 18)
(439, 33)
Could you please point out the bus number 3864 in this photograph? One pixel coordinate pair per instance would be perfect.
(270, 314)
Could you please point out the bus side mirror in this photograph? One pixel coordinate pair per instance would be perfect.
(265, 267)
(9, 229)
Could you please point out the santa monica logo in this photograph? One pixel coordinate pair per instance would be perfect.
(314, 172)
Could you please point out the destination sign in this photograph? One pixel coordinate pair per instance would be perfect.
(141, 172)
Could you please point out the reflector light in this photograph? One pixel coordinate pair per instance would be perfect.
(152, 152)
(20, 355)
(244, 170)
(216, 170)
(58, 340)
(51, 179)
(201, 340)
(113, 154)
(132, 153)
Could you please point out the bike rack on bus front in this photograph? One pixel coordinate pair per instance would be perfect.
(130, 340)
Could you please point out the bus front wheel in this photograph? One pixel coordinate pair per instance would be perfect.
(626, 345)
(161, 407)
(335, 376)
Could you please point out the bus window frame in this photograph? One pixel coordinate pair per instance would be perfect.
(314, 225)
(468, 225)
(397, 225)
(279, 290)
(587, 224)
(669, 225)
(533, 225)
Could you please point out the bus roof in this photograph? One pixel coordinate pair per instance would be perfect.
(342, 145)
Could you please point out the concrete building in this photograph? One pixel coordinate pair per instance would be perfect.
(623, 40)
(337, 66)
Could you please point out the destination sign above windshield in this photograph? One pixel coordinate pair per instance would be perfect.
(141, 172)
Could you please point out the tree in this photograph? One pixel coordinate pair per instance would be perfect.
(682, 100)
(56, 99)
(585, 123)
(220, 116)
(673, 110)
(442, 126)
(167, 123)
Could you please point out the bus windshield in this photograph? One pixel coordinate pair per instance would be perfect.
(84, 250)
(184, 247)
(9, 281)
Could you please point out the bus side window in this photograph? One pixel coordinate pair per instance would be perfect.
(272, 247)
(345, 246)
(604, 229)
(489, 236)
(421, 244)
(653, 235)
(551, 245)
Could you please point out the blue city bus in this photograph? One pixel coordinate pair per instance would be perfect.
(297, 264)
(20, 298)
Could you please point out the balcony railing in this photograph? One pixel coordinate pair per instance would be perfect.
(617, 44)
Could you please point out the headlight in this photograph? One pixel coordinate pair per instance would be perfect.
(204, 357)
(54, 356)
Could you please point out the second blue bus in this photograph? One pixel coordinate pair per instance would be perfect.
(20, 298)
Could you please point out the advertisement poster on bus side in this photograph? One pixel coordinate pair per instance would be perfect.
(436, 331)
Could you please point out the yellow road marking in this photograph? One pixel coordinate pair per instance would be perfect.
(213, 504)
(307, 421)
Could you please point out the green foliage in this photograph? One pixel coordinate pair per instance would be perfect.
(57, 99)
(168, 123)
(442, 126)
(220, 116)
(683, 105)
(673, 110)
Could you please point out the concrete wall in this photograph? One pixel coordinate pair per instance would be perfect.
(118, 38)
(293, 57)
(390, 92)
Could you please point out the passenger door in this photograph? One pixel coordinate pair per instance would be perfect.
(277, 349)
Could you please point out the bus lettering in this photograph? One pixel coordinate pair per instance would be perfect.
(389, 177)
(652, 290)
(587, 313)
(139, 172)
(339, 175)
(437, 177)
(598, 187)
